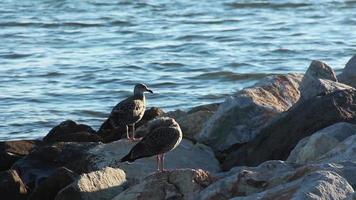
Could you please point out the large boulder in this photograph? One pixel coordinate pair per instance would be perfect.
(312, 147)
(49, 187)
(192, 122)
(319, 79)
(240, 118)
(186, 155)
(183, 184)
(70, 131)
(348, 75)
(11, 151)
(212, 107)
(103, 184)
(323, 185)
(11, 186)
(345, 151)
(276, 141)
(271, 177)
(43, 161)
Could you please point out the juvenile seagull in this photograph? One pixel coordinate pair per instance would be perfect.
(130, 110)
(164, 135)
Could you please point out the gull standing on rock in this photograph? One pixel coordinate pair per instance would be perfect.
(164, 134)
(130, 110)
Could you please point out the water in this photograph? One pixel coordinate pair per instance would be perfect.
(76, 59)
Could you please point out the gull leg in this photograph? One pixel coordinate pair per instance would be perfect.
(133, 134)
(127, 133)
(158, 162)
(162, 163)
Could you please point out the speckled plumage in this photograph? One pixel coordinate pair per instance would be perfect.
(129, 111)
(164, 135)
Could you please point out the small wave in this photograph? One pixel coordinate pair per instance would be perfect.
(92, 113)
(230, 76)
(49, 25)
(121, 23)
(14, 55)
(164, 84)
(168, 64)
(52, 74)
(283, 50)
(266, 5)
(211, 21)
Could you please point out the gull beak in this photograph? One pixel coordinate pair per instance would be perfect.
(150, 91)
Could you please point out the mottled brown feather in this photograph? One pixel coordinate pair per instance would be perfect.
(160, 139)
(128, 111)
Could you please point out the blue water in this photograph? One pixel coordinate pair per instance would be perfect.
(76, 59)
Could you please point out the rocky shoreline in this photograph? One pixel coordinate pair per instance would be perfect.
(290, 136)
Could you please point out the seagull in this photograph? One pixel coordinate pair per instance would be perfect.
(164, 134)
(130, 110)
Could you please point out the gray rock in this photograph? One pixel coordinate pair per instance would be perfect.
(11, 186)
(43, 161)
(319, 185)
(183, 184)
(279, 137)
(345, 151)
(348, 75)
(191, 122)
(319, 79)
(240, 117)
(186, 155)
(11, 151)
(312, 147)
(48, 189)
(272, 177)
(97, 185)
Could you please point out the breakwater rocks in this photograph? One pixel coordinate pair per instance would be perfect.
(290, 136)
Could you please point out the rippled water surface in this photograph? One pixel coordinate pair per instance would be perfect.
(76, 59)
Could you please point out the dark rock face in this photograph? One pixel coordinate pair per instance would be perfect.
(44, 161)
(11, 186)
(11, 151)
(48, 189)
(109, 133)
(348, 75)
(69, 131)
(279, 137)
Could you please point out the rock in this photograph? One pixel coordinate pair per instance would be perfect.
(272, 176)
(48, 189)
(351, 196)
(110, 134)
(345, 151)
(190, 122)
(176, 114)
(240, 118)
(208, 107)
(186, 155)
(103, 184)
(319, 69)
(69, 131)
(348, 75)
(11, 151)
(11, 186)
(319, 79)
(43, 161)
(323, 185)
(312, 147)
(277, 140)
(177, 184)
(193, 123)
